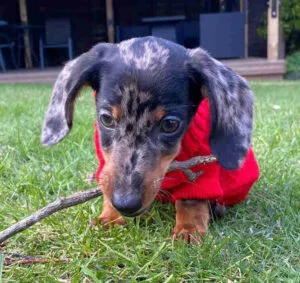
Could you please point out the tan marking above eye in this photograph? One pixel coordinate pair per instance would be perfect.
(115, 110)
(159, 113)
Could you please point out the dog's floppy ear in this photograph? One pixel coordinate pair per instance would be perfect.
(83, 70)
(231, 107)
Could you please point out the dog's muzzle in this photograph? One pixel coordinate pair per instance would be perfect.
(129, 205)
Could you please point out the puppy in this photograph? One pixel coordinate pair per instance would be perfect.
(147, 92)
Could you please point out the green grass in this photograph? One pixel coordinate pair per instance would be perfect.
(258, 241)
(293, 62)
(293, 66)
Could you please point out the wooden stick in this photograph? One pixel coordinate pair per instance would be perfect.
(186, 165)
(84, 196)
(10, 261)
(16, 258)
(59, 204)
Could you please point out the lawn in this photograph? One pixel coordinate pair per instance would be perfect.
(257, 241)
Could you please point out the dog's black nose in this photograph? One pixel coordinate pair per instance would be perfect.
(127, 205)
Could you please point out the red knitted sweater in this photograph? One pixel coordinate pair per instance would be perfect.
(216, 183)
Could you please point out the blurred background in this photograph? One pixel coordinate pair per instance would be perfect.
(253, 37)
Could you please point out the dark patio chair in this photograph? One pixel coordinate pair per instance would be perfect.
(3, 23)
(164, 27)
(6, 43)
(57, 35)
(20, 46)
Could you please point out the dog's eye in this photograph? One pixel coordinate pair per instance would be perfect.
(170, 124)
(107, 121)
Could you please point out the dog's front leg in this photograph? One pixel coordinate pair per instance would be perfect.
(192, 219)
(109, 216)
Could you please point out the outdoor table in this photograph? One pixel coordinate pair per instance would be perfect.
(164, 27)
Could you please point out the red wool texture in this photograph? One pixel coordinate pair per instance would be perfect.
(228, 187)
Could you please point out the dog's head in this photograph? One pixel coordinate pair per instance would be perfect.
(147, 91)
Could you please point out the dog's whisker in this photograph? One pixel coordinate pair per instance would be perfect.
(165, 194)
(157, 191)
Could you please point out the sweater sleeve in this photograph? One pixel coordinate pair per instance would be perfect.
(215, 183)
(98, 152)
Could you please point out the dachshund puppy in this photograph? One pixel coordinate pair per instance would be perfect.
(147, 91)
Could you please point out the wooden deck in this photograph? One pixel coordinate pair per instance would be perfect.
(257, 68)
(252, 68)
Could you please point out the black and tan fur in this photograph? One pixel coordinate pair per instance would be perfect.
(140, 84)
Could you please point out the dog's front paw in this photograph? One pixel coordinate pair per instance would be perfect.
(111, 220)
(108, 220)
(192, 218)
(188, 233)
(109, 216)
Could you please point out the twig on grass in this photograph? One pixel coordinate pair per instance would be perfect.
(33, 260)
(84, 196)
(16, 258)
(186, 165)
(59, 204)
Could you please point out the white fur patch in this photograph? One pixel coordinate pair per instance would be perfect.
(56, 110)
(154, 54)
